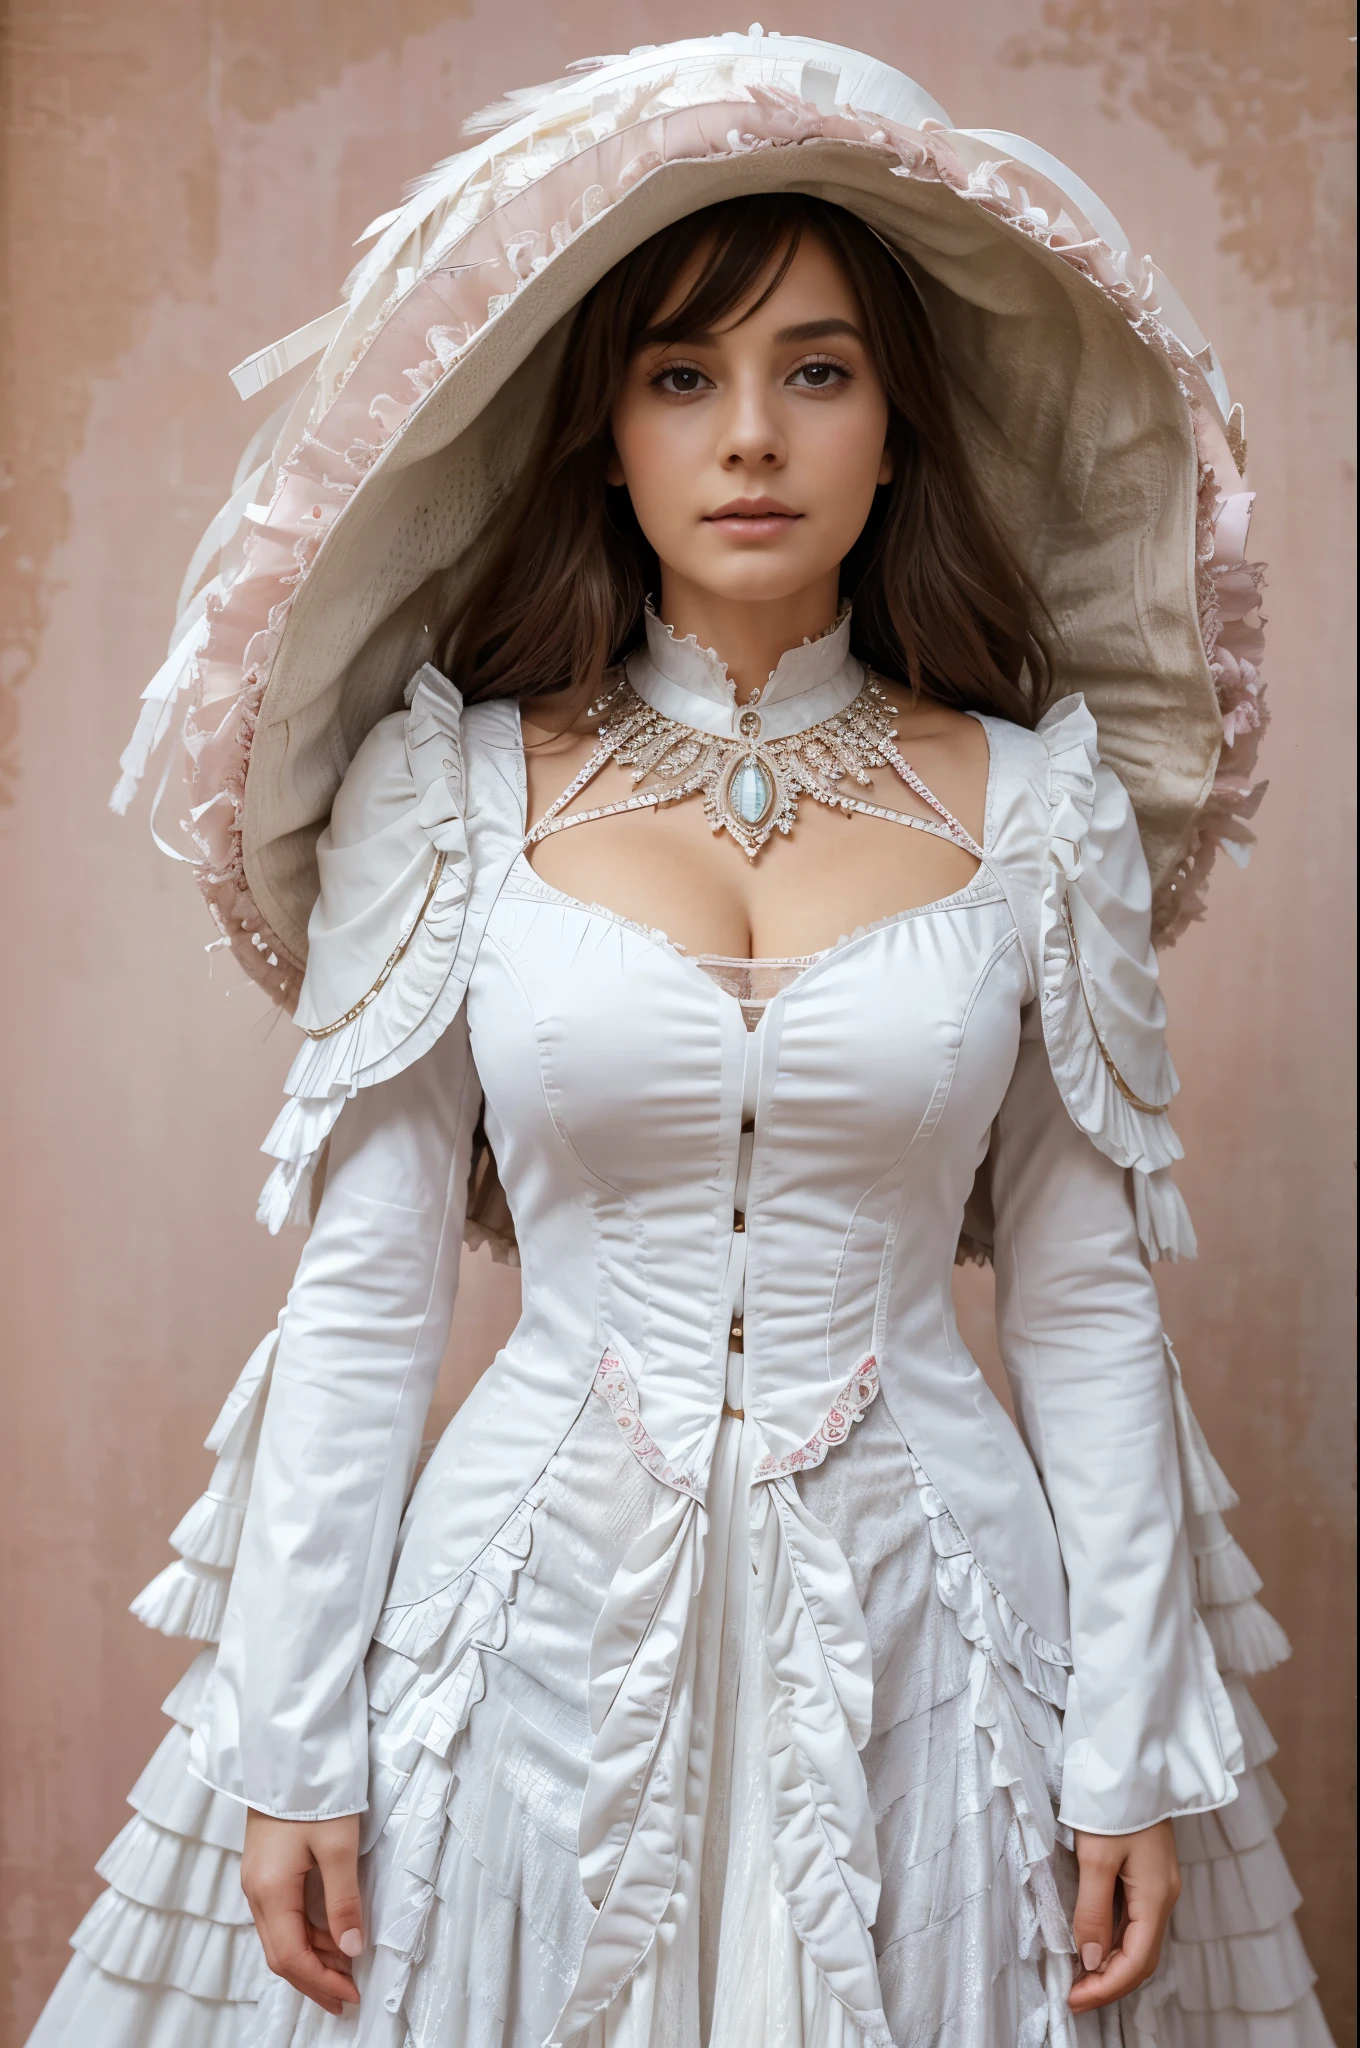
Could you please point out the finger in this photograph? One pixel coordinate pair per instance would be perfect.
(275, 1906)
(1099, 1860)
(337, 1858)
(287, 1942)
(306, 1972)
(330, 1953)
(322, 1942)
(1129, 1966)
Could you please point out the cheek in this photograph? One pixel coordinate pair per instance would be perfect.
(845, 451)
(655, 458)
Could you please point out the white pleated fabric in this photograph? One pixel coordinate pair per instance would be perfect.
(167, 1957)
(477, 1917)
(476, 1910)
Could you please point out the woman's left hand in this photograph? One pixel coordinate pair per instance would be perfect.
(1117, 1959)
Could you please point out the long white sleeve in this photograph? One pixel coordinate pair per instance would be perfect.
(284, 1727)
(1149, 1731)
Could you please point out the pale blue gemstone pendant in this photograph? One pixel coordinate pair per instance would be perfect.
(747, 799)
(751, 792)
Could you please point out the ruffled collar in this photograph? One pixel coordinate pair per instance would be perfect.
(690, 683)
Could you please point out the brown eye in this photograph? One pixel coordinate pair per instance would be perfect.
(681, 379)
(818, 376)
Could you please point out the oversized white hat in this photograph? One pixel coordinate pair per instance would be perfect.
(1112, 456)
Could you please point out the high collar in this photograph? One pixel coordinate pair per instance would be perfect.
(690, 683)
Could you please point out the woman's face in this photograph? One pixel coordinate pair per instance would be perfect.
(752, 455)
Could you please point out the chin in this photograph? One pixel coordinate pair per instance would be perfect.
(757, 579)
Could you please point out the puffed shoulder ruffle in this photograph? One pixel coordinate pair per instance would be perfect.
(386, 971)
(1104, 1020)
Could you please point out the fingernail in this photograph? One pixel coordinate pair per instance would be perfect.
(351, 1941)
(1092, 1954)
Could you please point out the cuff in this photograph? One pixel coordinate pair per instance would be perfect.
(1156, 1752)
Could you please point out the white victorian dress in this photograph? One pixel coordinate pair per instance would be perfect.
(737, 1670)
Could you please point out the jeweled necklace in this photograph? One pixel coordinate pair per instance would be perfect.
(820, 721)
(750, 783)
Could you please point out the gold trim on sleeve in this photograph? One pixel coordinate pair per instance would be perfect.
(1134, 1101)
(329, 1030)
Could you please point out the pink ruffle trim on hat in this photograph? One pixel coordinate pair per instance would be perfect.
(1229, 590)
(510, 221)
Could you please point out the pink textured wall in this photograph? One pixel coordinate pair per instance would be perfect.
(183, 179)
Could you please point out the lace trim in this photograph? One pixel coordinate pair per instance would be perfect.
(753, 983)
(847, 1409)
(615, 1387)
(716, 667)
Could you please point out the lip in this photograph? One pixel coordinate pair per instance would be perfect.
(754, 508)
(753, 518)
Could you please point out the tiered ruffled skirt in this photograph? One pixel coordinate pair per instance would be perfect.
(482, 1750)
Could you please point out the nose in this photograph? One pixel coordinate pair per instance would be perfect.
(751, 435)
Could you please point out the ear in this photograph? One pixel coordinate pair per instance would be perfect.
(885, 467)
(613, 470)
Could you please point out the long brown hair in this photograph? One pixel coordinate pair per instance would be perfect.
(940, 605)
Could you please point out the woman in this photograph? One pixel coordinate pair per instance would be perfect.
(742, 886)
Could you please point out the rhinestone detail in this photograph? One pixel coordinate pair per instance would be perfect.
(750, 786)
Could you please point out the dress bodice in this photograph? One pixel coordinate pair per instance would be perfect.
(618, 1077)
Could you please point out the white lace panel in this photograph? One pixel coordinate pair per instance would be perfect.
(753, 983)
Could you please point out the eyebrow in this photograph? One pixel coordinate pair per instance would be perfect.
(819, 330)
(806, 330)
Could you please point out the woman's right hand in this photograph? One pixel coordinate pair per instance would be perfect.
(275, 1864)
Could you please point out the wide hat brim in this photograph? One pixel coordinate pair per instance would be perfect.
(1097, 429)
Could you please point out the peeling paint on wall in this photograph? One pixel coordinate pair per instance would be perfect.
(112, 125)
(1265, 95)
